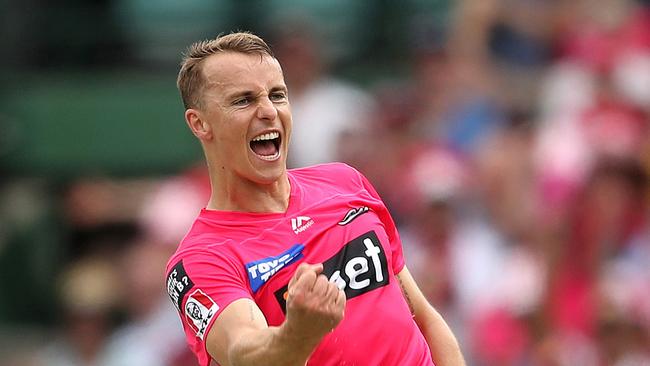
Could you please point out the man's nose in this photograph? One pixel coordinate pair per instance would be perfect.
(266, 109)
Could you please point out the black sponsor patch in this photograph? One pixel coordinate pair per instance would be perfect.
(178, 284)
(359, 267)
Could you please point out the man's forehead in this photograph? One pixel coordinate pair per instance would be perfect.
(233, 68)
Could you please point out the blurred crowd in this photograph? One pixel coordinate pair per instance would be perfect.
(514, 156)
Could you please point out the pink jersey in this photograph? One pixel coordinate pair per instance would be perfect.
(334, 217)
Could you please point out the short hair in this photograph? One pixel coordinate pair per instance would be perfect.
(190, 80)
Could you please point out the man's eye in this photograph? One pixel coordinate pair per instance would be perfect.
(278, 97)
(241, 101)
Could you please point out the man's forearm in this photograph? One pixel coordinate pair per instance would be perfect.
(270, 346)
(241, 335)
(444, 347)
(445, 350)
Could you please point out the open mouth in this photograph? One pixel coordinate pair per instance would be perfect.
(266, 146)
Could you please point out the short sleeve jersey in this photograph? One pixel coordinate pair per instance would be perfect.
(334, 217)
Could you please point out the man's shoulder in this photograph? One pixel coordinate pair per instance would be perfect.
(199, 240)
(199, 247)
(328, 180)
(326, 171)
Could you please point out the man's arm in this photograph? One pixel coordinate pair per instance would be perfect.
(442, 343)
(241, 336)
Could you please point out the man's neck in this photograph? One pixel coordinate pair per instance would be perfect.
(247, 196)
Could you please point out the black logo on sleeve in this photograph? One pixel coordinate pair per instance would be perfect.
(359, 267)
(178, 284)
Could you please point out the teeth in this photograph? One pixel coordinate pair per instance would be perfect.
(270, 158)
(267, 136)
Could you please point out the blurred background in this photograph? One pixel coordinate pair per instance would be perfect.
(509, 138)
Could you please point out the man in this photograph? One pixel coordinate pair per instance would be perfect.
(287, 267)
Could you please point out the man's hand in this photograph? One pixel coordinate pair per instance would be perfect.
(315, 306)
(241, 336)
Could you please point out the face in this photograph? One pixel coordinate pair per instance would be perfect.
(193, 310)
(246, 116)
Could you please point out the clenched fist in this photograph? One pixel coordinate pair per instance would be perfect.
(315, 306)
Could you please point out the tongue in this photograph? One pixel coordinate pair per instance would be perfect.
(264, 148)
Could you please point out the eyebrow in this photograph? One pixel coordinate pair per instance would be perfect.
(248, 93)
(279, 88)
(238, 94)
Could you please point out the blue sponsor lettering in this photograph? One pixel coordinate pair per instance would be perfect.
(260, 271)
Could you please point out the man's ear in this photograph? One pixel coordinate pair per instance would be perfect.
(199, 126)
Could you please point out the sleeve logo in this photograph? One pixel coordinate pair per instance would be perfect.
(178, 284)
(199, 310)
(353, 214)
(260, 271)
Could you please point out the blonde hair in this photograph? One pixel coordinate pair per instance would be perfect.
(190, 80)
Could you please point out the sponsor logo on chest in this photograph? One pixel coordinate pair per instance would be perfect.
(358, 267)
(260, 271)
(301, 223)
